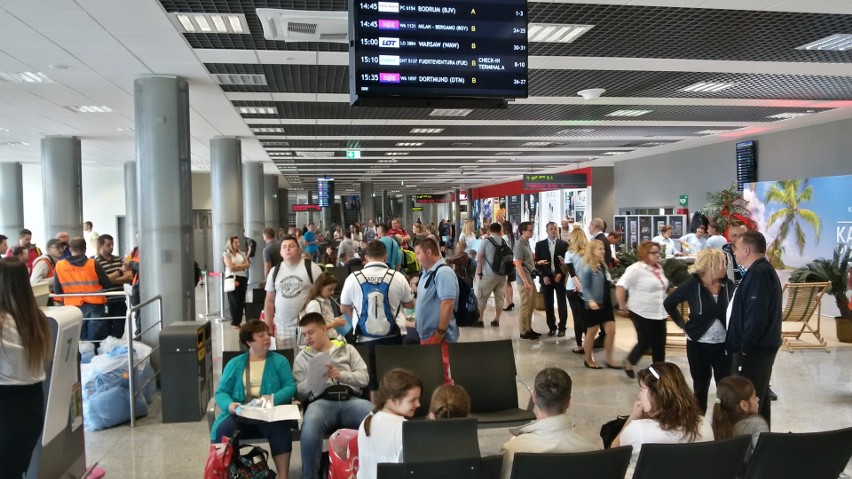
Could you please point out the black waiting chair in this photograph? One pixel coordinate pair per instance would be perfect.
(423, 360)
(341, 273)
(493, 389)
(443, 449)
(700, 460)
(605, 464)
(814, 455)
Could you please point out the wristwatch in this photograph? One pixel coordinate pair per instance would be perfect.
(440, 331)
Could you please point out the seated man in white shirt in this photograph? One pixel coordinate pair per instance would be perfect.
(553, 431)
(695, 242)
(664, 239)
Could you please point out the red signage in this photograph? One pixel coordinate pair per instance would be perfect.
(306, 207)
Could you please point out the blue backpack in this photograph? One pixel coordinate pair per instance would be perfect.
(375, 320)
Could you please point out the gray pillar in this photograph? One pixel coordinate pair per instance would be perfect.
(164, 187)
(131, 206)
(11, 200)
(368, 208)
(284, 208)
(311, 200)
(226, 186)
(253, 216)
(469, 209)
(385, 207)
(270, 202)
(62, 185)
(456, 219)
(406, 212)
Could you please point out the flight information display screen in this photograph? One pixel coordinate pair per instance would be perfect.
(438, 49)
(746, 163)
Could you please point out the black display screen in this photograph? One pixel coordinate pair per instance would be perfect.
(438, 49)
(325, 192)
(746, 163)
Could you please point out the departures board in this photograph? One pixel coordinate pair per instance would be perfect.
(438, 49)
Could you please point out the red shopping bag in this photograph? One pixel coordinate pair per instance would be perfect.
(343, 454)
(218, 460)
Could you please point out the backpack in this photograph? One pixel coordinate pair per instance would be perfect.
(503, 261)
(375, 319)
(466, 311)
(307, 270)
(409, 262)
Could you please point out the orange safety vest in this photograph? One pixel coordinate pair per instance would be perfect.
(50, 267)
(134, 256)
(80, 279)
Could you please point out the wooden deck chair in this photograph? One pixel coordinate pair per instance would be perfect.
(803, 300)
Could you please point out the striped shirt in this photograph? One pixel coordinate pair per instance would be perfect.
(111, 266)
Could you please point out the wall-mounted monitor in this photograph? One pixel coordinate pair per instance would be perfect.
(746, 163)
(325, 192)
(431, 54)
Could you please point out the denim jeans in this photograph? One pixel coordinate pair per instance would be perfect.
(94, 330)
(324, 417)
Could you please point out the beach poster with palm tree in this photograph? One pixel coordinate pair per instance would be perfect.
(802, 218)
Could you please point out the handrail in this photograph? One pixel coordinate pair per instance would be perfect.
(131, 370)
(220, 314)
(107, 294)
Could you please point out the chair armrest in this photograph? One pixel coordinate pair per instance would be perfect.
(530, 403)
(212, 412)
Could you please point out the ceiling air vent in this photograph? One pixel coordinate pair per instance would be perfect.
(304, 25)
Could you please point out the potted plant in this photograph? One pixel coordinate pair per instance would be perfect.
(836, 272)
(726, 206)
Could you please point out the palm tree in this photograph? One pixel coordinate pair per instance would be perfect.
(790, 216)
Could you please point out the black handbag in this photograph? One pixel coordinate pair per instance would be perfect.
(253, 464)
(611, 430)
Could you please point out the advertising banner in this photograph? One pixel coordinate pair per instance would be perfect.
(803, 219)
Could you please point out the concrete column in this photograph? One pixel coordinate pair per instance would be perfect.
(385, 208)
(469, 209)
(164, 188)
(368, 208)
(11, 200)
(253, 216)
(456, 219)
(62, 185)
(270, 202)
(312, 199)
(226, 186)
(406, 212)
(284, 208)
(131, 203)
(325, 214)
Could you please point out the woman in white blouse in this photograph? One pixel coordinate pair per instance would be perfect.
(24, 351)
(468, 234)
(236, 265)
(647, 285)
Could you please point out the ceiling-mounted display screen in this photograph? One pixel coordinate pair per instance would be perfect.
(325, 192)
(421, 49)
(746, 163)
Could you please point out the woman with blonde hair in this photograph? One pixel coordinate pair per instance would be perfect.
(594, 283)
(236, 265)
(665, 412)
(708, 292)
(573, 263)
(468, 234)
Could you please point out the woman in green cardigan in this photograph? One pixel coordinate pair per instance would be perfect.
(269, 375)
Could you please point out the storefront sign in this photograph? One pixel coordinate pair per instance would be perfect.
(555, 181)
(306, 207)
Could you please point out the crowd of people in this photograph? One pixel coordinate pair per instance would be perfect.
(732, 333)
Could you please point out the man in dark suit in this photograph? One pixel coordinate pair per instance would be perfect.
(597, 228)
(549, 253)
(754, 317)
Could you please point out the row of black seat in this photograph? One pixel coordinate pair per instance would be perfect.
(449, 449)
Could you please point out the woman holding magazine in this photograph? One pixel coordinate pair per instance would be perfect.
(253, 374)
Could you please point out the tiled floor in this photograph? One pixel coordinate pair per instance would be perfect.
(814, 389)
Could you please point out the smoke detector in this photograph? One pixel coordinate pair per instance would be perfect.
(591, 93)
(304, 25)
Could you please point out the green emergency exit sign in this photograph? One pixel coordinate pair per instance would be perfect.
(353, 154)
(683, 200)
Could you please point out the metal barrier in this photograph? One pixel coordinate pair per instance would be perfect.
(219, 314)
(131, 336)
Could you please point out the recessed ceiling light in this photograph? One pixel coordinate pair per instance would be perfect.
(411, 186)
(388, 161)
(4, 129)
(709, 132)
(90, 109)
(487, 161)
(573, 131)
(788, 115)
(268, 130)
(613, 153)
(426, 131)
(450, 112)
(14, 143)
(507, 153)
(123, 130)
(414, 143)
(25, 77)
(258, 110)
(396, 153)
(537, 143)
(462, 143)
(58, 66)
(555, 33)
(629, 112)
(245, 79)
(836, 43)
(201, 23)
(708, 87)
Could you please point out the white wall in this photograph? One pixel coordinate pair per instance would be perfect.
(656, 181)
(202, 198)
(103, 200)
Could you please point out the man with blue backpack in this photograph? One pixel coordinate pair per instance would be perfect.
(375, 295)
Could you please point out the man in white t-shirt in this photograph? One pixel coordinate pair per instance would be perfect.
(399, 295)
(695, 241)
(287, 288)
(716, 240)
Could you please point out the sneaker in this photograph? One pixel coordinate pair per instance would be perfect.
(495, 323)
(772, 395)
(560, 334)
(531, 335)
(537, 335)
(552, 332)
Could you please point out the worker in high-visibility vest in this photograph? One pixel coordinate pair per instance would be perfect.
(79, 274)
